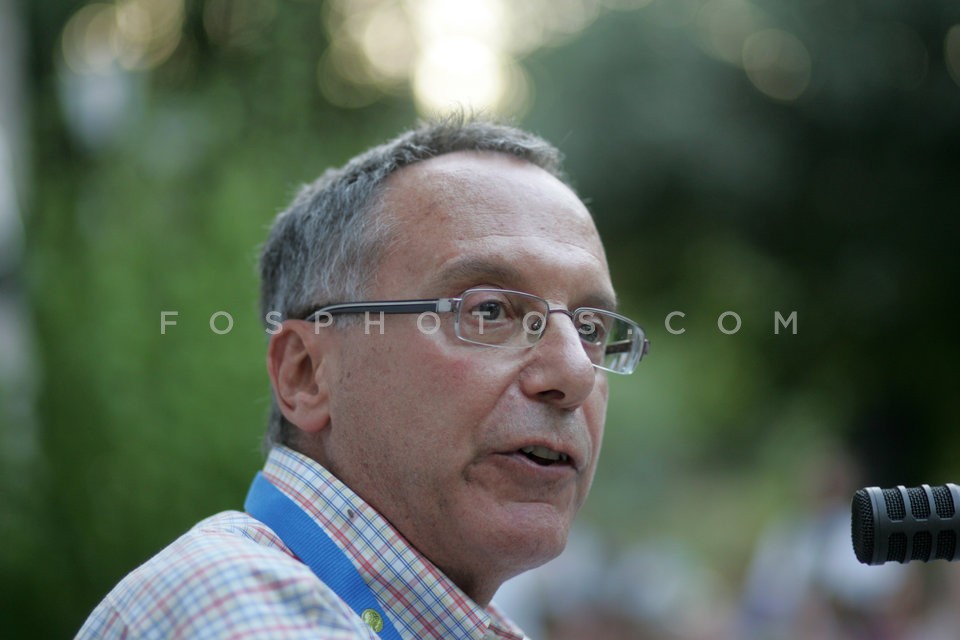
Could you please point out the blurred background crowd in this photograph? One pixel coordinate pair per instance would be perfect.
(772, 159)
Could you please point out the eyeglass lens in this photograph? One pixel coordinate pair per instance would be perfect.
(517, 320)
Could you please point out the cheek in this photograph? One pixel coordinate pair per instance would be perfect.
(458, 391)
(445, 363)
(427, 380)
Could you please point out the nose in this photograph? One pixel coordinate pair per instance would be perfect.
(558, 370)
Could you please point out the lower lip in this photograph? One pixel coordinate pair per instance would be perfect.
(520, 465)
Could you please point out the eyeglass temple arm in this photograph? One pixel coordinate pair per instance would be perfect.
(622, 346)
(439, 305)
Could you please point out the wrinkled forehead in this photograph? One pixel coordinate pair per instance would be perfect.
(491, 206)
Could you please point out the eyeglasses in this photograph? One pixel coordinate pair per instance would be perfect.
(514, 320)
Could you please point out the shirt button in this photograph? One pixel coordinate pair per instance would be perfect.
(373, 619)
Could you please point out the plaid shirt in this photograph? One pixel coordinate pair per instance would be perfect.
(232, 577)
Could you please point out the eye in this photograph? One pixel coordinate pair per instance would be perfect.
(591, 327)
(589, 333)
(489, 310)
(491, 307)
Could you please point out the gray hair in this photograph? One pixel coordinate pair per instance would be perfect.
(326, 246)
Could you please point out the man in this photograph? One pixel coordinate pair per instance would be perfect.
(441, 320)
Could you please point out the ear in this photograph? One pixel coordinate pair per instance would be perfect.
(296, 362)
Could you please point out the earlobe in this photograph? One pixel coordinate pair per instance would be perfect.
(295, 362)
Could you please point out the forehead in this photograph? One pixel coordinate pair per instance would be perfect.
(469, 218)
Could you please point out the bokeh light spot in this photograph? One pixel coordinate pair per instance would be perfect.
(86, 39)
(134, 34)
(388, 43)
(458, 72)
(724, 25)
(951, 52)
(448, 52)
(777, 63)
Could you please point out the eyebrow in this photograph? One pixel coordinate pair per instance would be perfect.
(600, 301)
(470, 271)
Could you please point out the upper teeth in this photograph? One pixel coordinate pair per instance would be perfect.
(543, 452)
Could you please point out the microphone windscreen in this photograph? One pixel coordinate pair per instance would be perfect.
(900, 524)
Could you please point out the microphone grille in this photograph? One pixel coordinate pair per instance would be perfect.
(922, 546)
(919, 504)
(863, 527)
(897, 548)
(946, 545)
(894, 502)
(943, 500)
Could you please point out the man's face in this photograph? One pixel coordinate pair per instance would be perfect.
(430, 429)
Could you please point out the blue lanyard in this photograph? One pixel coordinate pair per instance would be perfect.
(313, 546)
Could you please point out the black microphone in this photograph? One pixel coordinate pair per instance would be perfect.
(900, 525)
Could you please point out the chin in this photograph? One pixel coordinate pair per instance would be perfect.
(533, 535)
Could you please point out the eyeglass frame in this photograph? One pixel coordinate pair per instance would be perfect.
(452, 305)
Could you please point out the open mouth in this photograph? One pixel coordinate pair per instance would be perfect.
(544, 456)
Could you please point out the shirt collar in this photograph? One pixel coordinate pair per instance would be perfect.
(420, 600)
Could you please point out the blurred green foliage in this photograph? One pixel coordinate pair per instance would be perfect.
(712, 197)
